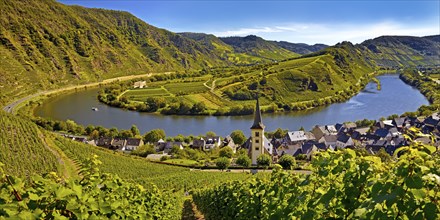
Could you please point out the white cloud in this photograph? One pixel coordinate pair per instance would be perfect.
(333, 33)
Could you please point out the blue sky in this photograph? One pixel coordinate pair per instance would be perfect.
(309, 22)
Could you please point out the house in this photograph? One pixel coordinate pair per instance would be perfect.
(228, 142)
(104, 142)
(345, 127)
(159, 145)
(212, 142)
(384, 124)
(198, 144)
(295, 137)
(319, 131)
(360, 133)
(118, 143)
(309, 150)
(329, 141)
(170, 144)
(382, 133)
(399, 123)
(140, 84)
(133, 144)
(344, 141)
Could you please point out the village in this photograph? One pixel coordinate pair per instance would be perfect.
(384, 135)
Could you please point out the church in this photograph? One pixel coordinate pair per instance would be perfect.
(258, 144)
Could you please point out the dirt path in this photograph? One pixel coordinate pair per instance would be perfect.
(190, 211)
(64, 162)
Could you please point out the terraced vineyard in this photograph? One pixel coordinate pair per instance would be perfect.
(133, 169)
(22, 148)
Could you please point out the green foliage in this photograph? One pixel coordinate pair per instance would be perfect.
(154, 135)
(342, 185)
(287, 161)
(243, 160)
(222, 162)
(96, 195)
(238, 137)
(264, 160)
(226, 152)
(144, 150)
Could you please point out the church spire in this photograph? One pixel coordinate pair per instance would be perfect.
(258, 123)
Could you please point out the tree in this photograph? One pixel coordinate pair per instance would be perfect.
(134, 130)
(175, 150)
(210, 134)
(125, 134)
(280, 133)
(238, 137)
(226, 152)
(94, 135)
(222, 163)
(264, 160)
(287, 161)
(144, 150)
(154, 135)
(244, 161)
(179, 138)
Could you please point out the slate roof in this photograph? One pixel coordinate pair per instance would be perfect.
(381, 132)
(134, 142)
(343, 138)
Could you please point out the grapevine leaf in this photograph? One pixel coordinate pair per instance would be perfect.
(418, 193)
(63, 192)
(431, 211)
(414, 182)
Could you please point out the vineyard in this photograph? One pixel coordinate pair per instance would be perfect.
(138, 170)
(343, 185)
(96, 196)
(22, 147)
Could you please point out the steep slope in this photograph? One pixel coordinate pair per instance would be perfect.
(258, 47)
(398, 51)
(24, 151)
(300, 48)
(45, 44)
(242, 50)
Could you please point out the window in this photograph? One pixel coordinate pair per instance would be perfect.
(257, 148)
(257, 141)
(257, 134)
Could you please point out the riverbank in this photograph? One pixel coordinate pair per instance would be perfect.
(395, 97)
(14, 106)
(158, 97)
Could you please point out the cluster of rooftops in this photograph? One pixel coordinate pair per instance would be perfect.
(386, 134)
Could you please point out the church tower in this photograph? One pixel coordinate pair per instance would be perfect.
(257, 135)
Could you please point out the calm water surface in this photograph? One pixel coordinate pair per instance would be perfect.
(395, 97)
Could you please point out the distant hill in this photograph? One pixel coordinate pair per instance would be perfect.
(257, 46)
(247, 49)
(398, 51)
(300, 48)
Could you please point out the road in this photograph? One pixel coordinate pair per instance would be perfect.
(10, 107)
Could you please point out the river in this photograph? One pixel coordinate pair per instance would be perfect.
(395, 97)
